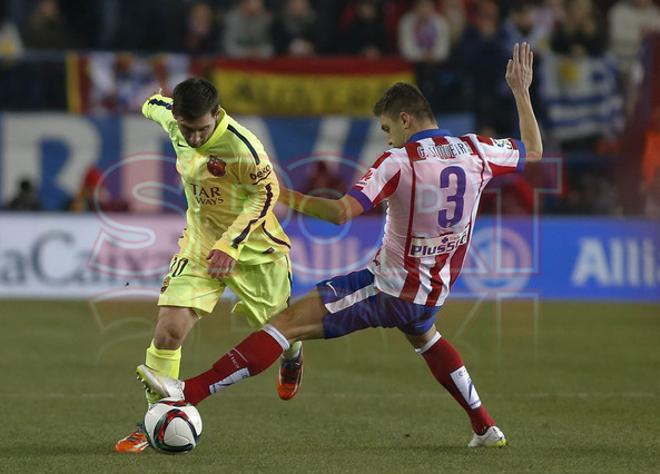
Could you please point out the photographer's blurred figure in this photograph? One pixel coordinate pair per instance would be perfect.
(26, 199)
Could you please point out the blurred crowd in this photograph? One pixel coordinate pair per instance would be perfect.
(459, 48)
(419, 30)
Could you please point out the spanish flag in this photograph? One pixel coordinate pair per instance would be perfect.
(306, 86)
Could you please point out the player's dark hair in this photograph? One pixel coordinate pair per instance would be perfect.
(403, 97)
(194, 98)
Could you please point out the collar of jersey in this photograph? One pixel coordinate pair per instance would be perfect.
(217, 133)
(434, 132)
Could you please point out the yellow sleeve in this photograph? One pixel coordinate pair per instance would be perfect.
(263, 190)
(159, 109)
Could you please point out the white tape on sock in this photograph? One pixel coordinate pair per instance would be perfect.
(463, 381)
(421, 350)
(278, 336)
(231, 379)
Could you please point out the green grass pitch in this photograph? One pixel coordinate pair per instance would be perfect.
(575, 386)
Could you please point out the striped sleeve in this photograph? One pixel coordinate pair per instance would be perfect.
(378, 183)
(256, 174)
(506, 155)
(159, 109)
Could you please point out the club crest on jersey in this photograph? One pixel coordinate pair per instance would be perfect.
(216, 166)
(504, 143)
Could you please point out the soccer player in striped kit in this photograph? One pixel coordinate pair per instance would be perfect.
(422, 252)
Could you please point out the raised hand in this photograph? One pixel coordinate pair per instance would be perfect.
(519, 68)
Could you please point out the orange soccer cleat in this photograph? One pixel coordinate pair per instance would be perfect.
(290, 376)
(135, 443)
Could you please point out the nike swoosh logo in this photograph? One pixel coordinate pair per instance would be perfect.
(332, 288)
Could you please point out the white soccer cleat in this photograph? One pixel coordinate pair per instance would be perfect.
(492, 438)
(160, 385)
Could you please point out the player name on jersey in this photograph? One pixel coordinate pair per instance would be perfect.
(448, 151)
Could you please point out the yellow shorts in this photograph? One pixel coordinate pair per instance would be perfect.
(263, 290)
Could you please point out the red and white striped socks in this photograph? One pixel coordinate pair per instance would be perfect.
(253, 355)
(447, 367)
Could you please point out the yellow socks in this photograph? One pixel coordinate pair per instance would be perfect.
(164, 361)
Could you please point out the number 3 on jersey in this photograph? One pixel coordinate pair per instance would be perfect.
(456, 197)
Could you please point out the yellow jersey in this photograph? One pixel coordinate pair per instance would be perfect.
(231, 189)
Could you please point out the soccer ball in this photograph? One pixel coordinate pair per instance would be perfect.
(173, 426)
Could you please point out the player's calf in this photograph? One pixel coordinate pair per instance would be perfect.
(252, 356)
(448, 368)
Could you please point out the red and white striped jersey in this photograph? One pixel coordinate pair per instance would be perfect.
(432, 186)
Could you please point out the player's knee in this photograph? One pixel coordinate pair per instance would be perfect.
(168, 340)
(169, 336)
(172, 327)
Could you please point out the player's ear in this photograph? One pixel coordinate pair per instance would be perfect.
(405, 118)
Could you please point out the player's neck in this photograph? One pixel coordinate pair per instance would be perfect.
(420, 127)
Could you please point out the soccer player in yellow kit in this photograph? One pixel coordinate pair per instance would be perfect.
(232, 238)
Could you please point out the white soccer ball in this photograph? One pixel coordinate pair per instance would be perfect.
(173, 426)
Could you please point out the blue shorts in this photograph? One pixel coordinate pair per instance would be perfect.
(353, 303)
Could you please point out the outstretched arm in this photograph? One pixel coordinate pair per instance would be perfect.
(158, 108)
(519, 78)
(337, 211)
